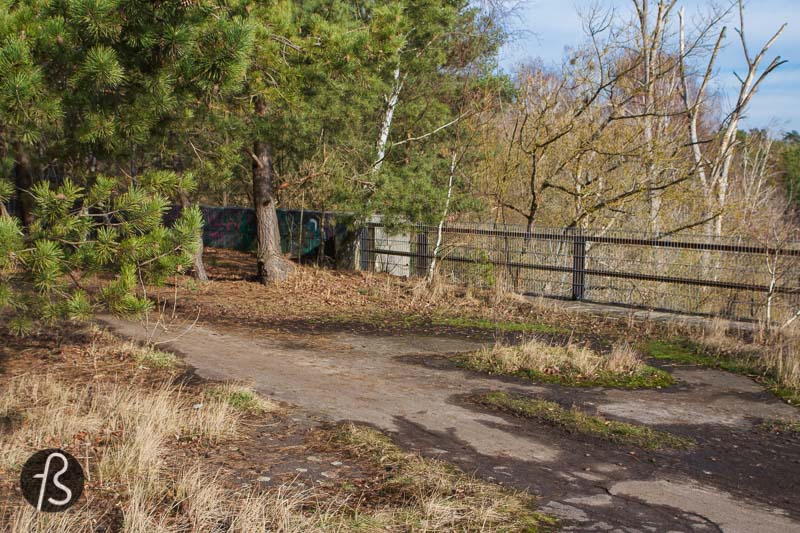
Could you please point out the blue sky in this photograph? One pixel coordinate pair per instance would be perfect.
(547, 26)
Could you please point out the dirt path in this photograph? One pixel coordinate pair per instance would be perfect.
(739, 478)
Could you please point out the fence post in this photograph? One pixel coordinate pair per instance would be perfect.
(422, 259)
(367, 252)
(578, 264)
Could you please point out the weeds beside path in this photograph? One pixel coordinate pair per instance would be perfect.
(165, 451)
(569, 365)
(578, 421)
(776, 367)
(405, 383)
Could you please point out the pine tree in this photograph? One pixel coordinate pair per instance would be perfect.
(30, 109)
(121, 88)
(112, 227)
(89, 91)
(310, 78)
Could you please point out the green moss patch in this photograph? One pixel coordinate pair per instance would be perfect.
(499, 325)
(576, 421)
(686, 352)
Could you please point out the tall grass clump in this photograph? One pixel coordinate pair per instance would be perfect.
(568, 364)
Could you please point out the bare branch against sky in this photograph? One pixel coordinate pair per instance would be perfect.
(548, 26)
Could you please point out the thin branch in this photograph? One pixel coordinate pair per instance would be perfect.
(690, 225)
(434, 132)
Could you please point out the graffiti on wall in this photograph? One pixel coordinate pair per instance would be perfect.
(303, 233)
(229, 227)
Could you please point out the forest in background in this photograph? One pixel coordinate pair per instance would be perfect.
(112, 109)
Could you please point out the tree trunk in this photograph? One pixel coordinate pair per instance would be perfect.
(199, 269)
(386, 124)
(439, 232)
(347, 246)
(272, 266)
(23, 180)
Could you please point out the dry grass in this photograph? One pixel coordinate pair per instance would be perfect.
(25, 519)
(715, 336)
(569, 364)
(150, 357)
(120, 431)
(41, 412)
(431, 295)
(772, 356)
(199, 502)
(784, 360)
(569, 361)
(242, 397)
(777, 351)
(126, 434)
(538, 355)
(439, 497)
(624, 360)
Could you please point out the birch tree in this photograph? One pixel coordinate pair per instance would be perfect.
(713, 154)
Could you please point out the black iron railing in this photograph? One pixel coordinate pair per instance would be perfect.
(732, 277)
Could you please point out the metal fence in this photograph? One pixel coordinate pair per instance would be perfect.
(727, 277)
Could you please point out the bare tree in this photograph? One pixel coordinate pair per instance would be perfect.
(713, 163)
(437, 249)
(601, 132)
(658, 80)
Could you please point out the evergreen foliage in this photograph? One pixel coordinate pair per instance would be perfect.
(85, 86)
(114, 228)
(790, 163)
(113, 109)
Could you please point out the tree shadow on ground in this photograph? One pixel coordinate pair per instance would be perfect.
(573, 497)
